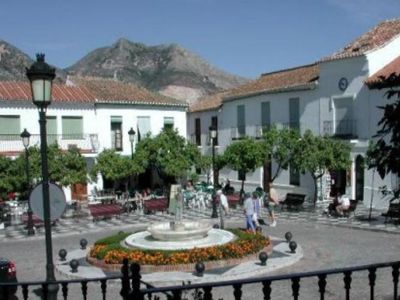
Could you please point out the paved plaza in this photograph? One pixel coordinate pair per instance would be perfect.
(325, 242)
(307, 214)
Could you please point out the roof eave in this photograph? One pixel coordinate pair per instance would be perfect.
(102, 101)
(302, 87)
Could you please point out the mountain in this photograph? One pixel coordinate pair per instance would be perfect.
(13, 64)
(168, 69)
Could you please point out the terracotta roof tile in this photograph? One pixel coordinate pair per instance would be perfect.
(20, 90)
(303, 77)
(382, 78)
(375, 38)
(109, 90)
(208, 102)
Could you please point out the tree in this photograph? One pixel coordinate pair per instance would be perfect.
(8, 178)
(116, 167)
(279, 147)
(205, 164)
(316, 155)
(384, 155)
(170, 154)
(65, 167)
(244, 156)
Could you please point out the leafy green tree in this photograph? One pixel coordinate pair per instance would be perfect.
(384, 155)
(116, 167)
(7, 176)
(244, 156)
(205, 164)
(317, 154)
(170, 154)
(65, 167)
(279, 146)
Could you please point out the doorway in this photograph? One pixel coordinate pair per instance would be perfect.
(338, 182)
(359, 177)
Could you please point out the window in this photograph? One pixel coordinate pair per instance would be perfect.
(241, 121)
(72, 128)
(51, 129)
(294, 113)
(344, 123)
(168, 122)
(214, 123)
(10, 128)
(116, 133)
(197, 131)
(294, 176)
(265, 115)
(143, 127)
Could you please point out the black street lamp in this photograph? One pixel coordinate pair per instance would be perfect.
(213, 135)
(131, 134)
(25, 136)
(41, 76)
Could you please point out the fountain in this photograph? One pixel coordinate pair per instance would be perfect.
(178, 234)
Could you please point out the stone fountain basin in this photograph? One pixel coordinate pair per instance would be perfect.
(179, 231)
(144, 240)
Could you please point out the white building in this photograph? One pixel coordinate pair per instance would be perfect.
(329, 97)
(91, 114)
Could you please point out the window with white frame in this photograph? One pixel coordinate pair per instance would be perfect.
(343, 120)
(169, 122)
(116, 133)
(10, 128)
(72, 127)
(143, 127)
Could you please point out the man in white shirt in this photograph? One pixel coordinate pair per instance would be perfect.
(343, 204)
(224, 201)
(248, 206)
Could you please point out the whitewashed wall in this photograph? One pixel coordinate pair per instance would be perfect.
(129, 114)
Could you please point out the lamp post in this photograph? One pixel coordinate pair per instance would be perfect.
(213, 135)
(131, 134)
(25, 136)
(41, 76)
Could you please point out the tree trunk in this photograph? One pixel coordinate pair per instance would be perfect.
(241, 195)
(315, 179)
(267, 176)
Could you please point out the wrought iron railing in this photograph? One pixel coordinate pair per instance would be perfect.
(10, 143)
(132, 287)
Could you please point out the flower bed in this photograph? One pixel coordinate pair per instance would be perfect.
(109, 251)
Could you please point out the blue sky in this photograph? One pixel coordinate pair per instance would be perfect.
(244, 37)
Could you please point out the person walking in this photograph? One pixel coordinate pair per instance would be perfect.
(224, 201)
(257, 208)
(273, 201)
(248, 206)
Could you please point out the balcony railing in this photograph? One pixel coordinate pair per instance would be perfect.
(238, 133)
(345, 128)
(87, 143)
(338, 281)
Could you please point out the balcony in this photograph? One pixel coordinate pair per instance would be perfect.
(345, 128)
(87, 143)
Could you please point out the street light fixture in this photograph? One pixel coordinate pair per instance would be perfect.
(131, 134)
(213, 135)
(41, 76)
(25, 136)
